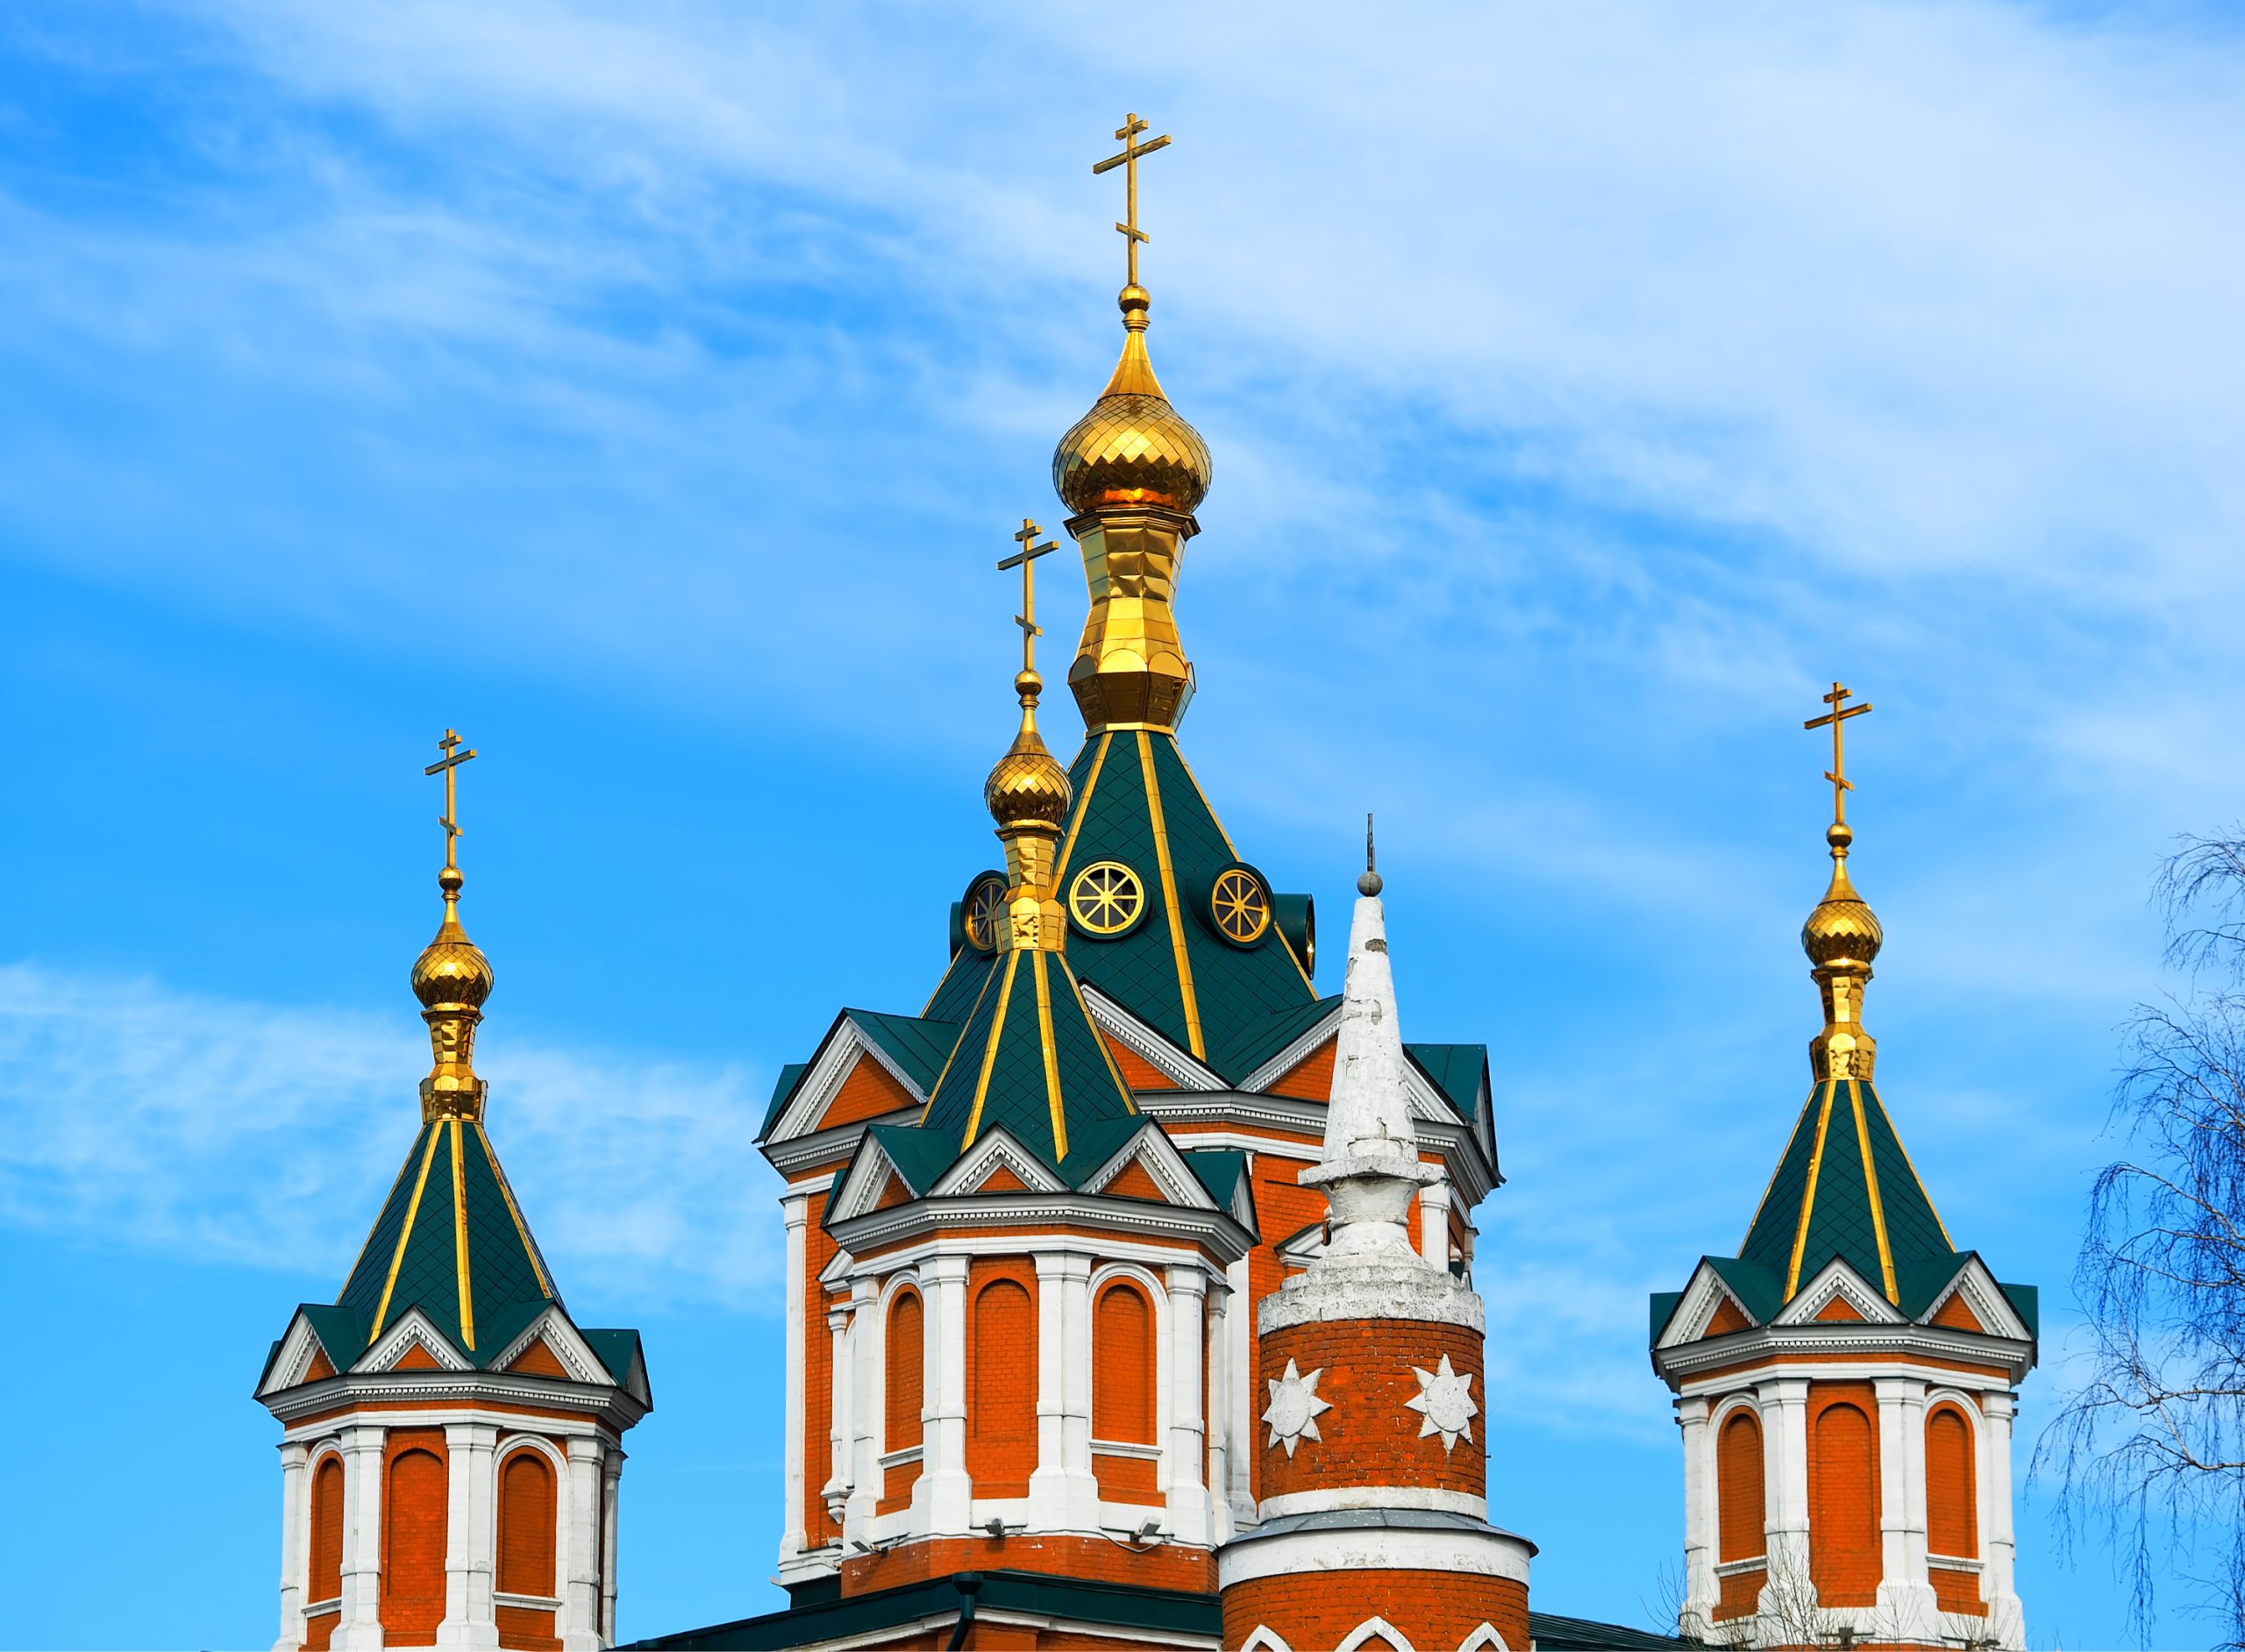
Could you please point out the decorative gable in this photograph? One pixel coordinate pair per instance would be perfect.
(1838, 1292)
(538, 1360)
(1161, 1174)
(1729, 1317)
(1957, 1313)
(1311, 1078)
(870, 1092)
(412, 1343)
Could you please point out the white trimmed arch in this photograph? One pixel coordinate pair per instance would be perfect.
(1265, 1639)
(1375, 1626)
(1485, 1639)
(1157, 1295)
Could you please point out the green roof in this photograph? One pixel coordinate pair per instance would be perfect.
(1262, 1040)
(918, 1045)
(450, 1237)
(790, 1076)
(961, 985)
(1172, 971)
(1456, 1070)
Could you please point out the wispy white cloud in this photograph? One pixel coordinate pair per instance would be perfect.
(139, 1117)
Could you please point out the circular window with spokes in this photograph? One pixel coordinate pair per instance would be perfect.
(1240, 905)
(985, 913)
(1107, 899)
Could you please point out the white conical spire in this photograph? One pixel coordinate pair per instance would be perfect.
(1370, 1165)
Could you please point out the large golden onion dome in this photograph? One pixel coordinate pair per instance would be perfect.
(451, 969)
(1133, 448)
(1028, 788)
(1842, 929)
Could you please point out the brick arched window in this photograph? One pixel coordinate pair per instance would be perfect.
(1952, 1524)
(1123, 1365)
(1739, 1488)
(905, 1377)
(1843, 1552)
(526, 1525)
(1001, 1392)
(414, 1519)
(324, 1584)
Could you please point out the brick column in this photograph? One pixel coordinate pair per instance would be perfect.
(795, 1211)
(295, 1546)
(360, 1627)
(949, 1493)
(1187, 1446)
(579, 1620)
(471, 1535)
(1063, 1490)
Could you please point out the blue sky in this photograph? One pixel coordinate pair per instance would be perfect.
(647, 391)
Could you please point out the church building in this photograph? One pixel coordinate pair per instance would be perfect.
(1129, 1282)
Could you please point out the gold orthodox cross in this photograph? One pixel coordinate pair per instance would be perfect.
(448, 765)
(1129, 161)
(1025, 560)
(1837, 716)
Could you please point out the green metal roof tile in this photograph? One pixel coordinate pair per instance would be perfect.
(2027, 1299)
(1664, 1309)
(962, 983)
(616, 1349)
(1763, 1289)
(919, 1046)
(1256, 1043)
(1456, 1070)
(782, 1092)
(920, 1155)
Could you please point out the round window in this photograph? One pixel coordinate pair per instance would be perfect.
(1106, 899)
(985, 911)
(1241, 906)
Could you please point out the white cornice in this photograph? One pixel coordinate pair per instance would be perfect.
(366, 1394)
(1684, 1365)
(1209, 1227)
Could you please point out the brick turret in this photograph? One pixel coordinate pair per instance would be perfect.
(1371, 1361)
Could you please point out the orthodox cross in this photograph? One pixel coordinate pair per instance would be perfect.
(1129, 161)
(1025, 560)
(448, 765)
(1837, 716)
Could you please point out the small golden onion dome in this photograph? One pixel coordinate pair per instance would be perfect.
(1133, 448)
(1842, 929)
(451, 969)
(1028, 788)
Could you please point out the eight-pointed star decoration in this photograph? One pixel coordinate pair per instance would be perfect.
(1444, 1403)
(1295, 1405)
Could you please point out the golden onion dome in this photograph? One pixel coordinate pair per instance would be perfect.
(451, 969)
(1842, 929)
(1028, 788)
(1133, 448)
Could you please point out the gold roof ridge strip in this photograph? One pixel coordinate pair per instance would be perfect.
(990, 1051)
(1190, 1002)
(1770, 1186)
(459, 1241)
(396, 1182)
(1053, 1100)
(405, 1234)
(1083, 808)
(521, 1228)
(1808, 1193)
(1870, 1185)
(1098, 1033)
(972, 1010)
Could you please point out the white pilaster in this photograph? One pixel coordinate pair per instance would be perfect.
(360, 1627)
(611, 1484)
(1063, 1490)
(1239, 1395)
(295, 1543)
(950, 1493)
(839, 1435)
(1906, 1595)
(864, 1369)
(1187, 1446)
(2000, 1588)
(1216, 1403)
(1785, 1466)
(796, 1211)
(1700, 1589)
(579, 1555)
(471, 1535)
(1434, 1224)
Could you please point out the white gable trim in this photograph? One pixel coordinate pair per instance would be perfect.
(863, 1184)
(829, 1068)
(1485, 1639)
(412, 1330)
(1372, 1627)
(300, 1345)
(1265, 1639)
(1325, 1027)
(1985, 1298)
(1703, 1298)
(574, 1353)
(1153, 1149)
(1839, 1281)
(995, 1147)
(1144, 1042)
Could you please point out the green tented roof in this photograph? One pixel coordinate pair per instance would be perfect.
(919, 1046)
(450, 1230)
(1231, 989)
(961, 985)
(1265, 1038)
(790, 1076)
(1845, 1188)
(1456, 1070)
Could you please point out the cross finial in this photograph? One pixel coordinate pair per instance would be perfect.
(1025, 560)
(1132, 235)
(1837, 717)
(448, 765)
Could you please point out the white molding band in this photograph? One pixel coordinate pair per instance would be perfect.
(1487, 1553)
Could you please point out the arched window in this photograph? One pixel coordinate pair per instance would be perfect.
(1002, 1396)
(1952, 1525)
(906, 1373)
(1843, 1554)
(326, 1582)
(1739, 1487)
(414, 1520)
(526, 1525)
(1123, 1366)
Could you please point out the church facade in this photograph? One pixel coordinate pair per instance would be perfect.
(1130, 1290)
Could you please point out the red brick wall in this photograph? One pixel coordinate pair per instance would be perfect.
(1319, 1609)
(866, 1093)
(326, 1575)
(907, 1374)
(1740, 1595)
(1844, 1547)
(1739, 1488)
(526, 1528)
(1955, 1590)
(1370, 1437)
(526, 1628)
(1952, 1526)
(1285, 1207)
(818, 1377)
(1137, 1071)
(1123, 1392)
(1312, 1080)
(1002, 1377)
(414, 1511)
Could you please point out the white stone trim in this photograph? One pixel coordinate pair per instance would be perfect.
(994, 1147)
(1126, 1219)
(1985, 1297)
(1265, 1639)
(1484, 1639)
(1148, 1045)
(1335, 1498)
(413, 1329)
(829, 1068)
(1304, 1045)
(1837, 1280)
(1485, 1554)
(1711, 1366)
(300, 1345)
(794, 1215)
(1375, 1626)
(1153, 1151)
(569, 1346)
(478, 1396)
(1239, 1119)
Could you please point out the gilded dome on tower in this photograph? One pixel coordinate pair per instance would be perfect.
(1842, 929)
(1028, 788)
(1133, 448)
(451, 969)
